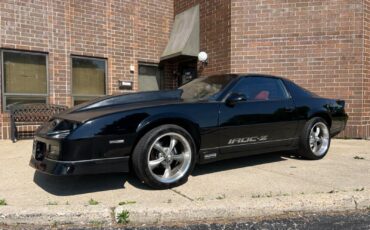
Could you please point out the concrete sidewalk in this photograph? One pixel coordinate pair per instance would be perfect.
(271, 184)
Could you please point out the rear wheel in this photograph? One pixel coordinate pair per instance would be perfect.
(164, 157)
(315, 139)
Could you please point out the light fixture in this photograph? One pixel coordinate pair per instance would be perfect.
(203, 57)
(132, 68)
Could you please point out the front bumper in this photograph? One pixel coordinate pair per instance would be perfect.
(95, 166)
(45, 156)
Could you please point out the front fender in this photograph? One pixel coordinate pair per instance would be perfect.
(164, 116)
(179, 119)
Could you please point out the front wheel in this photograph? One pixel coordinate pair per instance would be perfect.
(315, 139)
(164, 157)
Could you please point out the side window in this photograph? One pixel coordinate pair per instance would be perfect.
(262, 89)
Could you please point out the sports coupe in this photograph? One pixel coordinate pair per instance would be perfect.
(162, 135)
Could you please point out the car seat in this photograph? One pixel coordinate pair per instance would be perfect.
(262, 96)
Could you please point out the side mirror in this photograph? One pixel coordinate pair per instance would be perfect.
(235, 98)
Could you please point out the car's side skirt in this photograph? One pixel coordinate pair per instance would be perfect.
(214, 154)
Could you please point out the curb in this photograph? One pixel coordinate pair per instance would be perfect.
(229, 210)
(226, 210)
(51, 215)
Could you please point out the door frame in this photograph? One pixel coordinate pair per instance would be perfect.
(187, 63)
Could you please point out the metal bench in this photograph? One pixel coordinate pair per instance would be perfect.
(30, 114)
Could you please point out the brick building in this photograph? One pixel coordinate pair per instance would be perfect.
(69, 51)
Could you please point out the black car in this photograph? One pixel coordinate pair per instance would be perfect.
(161, 135)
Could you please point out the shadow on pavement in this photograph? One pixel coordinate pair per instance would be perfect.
(73, 185)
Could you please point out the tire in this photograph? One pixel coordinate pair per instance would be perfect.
(314, 144)
(156, 165)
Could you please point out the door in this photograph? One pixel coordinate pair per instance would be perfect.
(149, 77)
(262, 122)
(187, 70)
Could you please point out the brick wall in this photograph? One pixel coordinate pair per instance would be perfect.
(317, 44)
(322, 45)
(122, 31)
(366, 69)
(215, 33)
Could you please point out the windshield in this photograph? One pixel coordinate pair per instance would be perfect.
(206, 87)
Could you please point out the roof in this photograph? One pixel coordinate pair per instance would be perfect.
(249, 75)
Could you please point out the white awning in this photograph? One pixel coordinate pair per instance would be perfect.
(184, 39)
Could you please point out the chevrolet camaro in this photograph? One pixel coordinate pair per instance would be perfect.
(162, 135)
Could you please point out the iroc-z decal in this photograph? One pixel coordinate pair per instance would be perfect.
(243, 140)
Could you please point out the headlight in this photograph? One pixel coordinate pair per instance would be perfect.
(59, 134)
(61, 128)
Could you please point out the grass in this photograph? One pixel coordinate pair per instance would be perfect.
(269, 195)
(359, 189)
(123, 217)
(221, 197)
(3, 202)
(127, 202)
(358, 158)
(52, 203)
(93, 202)
(97, 223)
(54, 224)
(256, 195)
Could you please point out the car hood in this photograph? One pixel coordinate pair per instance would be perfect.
(119, 103)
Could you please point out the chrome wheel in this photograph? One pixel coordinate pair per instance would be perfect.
(319, 139)
(169, 157)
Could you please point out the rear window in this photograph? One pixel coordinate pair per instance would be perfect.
(299, 91)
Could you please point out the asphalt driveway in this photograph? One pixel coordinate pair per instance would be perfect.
(272, 177)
